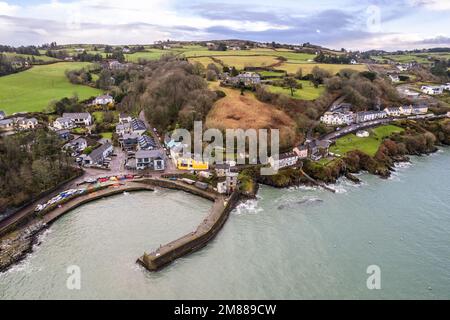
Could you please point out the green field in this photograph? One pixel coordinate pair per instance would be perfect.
(308, 92)
(25, 56)
(367, 145)
(33, 89)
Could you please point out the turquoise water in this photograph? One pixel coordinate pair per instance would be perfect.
(293, 243)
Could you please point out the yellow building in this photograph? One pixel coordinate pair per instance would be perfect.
(191, 164)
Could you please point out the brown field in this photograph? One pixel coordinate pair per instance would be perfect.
(204, 61)
(244, 112)
(332, 68)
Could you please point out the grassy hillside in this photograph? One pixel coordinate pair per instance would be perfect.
(33, 89)
(368, 145)
(307, 67)
(308, 92)
(236, 111)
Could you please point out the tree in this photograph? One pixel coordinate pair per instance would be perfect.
(211, 75)
(290, 83)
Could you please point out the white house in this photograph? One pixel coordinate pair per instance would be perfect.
(406, 110)
(103, 100)
(77, 145)
(63, 123)
(6, 124)
(421, 109)
(353, 61)
(445, 86)
(123, 128)
(338, 118)
(393, 111)
(79, 118)
(24, 123)
(301, 151)
(222, 169)
(370, 116)
(432, 90)
(284, 160)
(394, 77)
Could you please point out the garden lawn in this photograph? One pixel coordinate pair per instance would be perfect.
(367, 145)
(32, 90)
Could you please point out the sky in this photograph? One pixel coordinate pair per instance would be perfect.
(350, 24)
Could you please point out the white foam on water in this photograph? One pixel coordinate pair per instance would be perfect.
(248, 207)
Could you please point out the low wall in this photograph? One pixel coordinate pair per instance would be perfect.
(191, 242)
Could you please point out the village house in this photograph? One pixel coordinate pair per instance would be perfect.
(146, 143)
(77, 145)
(190, 164)
(370, 116)
(432, 90)
(2, 115)
(123, 128)
(124, 118)
(103, 100)
(6, 124)
(393, 111)
(222, 169)
(231, 180)
(406, 110)
(317, 149)
(338, 118)
(394, 77)
(79, 118)
(301, 151)
(284, 160)
(64, 123)
(420, 109)
(353, 61)
(129, 141)
(26, 124)
(149, 159)
(138, 126)
(97, 156)
(63, 134)
(445, 87)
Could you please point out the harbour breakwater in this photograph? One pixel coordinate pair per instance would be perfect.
(18, 244)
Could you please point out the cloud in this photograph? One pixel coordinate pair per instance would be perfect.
(436, 5)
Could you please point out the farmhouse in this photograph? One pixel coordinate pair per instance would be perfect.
(247, 79)
(97, 156)
(432, 90)
(81, 118)
(151, 159)
(63, 123)
(370, 116)
(338, 118)
(103, 100)
(301, 151)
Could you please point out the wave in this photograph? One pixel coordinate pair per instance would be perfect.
(248, 207)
